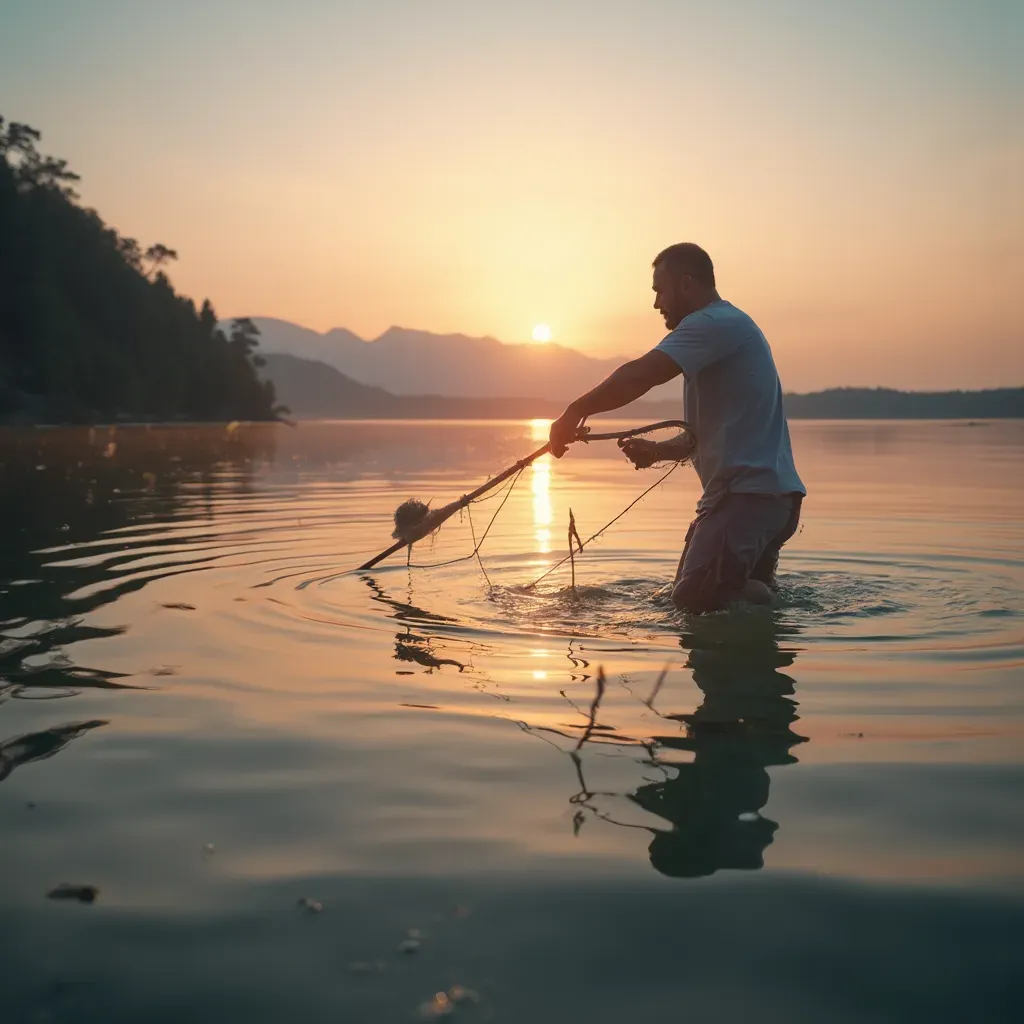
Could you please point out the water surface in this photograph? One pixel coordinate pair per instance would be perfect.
(803, 814)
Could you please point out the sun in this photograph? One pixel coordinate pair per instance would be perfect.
(541, 333)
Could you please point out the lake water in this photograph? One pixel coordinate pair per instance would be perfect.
(811, 813)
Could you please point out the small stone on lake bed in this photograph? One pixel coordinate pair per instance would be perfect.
(437, 1006)
(409, 946)
(312, 906)
(461, 994)
(209, 849)
(82, 893)
(749, 816)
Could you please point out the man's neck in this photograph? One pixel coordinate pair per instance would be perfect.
(711, 295)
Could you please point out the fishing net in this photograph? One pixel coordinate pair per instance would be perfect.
(414, 520)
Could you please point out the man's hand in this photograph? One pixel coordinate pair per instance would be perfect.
(564, 431)
(626, 384)
(641, 452)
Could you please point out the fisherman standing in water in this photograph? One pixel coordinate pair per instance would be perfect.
(751, 501)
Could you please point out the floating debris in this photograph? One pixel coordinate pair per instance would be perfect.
(66, 891)
(439, 1005)
(409, 946)
(179, 606)
(313, 906)
(461, 994)
(749, 816)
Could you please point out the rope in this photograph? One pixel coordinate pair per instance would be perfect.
(476, 546)
(637, 499)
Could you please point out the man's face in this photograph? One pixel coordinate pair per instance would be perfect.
(671, 295)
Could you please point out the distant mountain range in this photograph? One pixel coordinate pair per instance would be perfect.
(314, 390)
(409, 362)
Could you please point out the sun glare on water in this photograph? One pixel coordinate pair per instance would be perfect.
(541, 333)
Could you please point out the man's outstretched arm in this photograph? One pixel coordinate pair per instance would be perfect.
(629, 382)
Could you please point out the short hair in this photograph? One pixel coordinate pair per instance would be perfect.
(688, 258)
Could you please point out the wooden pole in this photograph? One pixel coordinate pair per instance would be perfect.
(572, 557)
(573, 534)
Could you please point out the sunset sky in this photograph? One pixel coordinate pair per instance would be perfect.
(853, 168)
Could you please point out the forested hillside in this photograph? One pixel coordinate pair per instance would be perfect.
(90, 327)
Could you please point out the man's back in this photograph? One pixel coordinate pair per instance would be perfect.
(733, 400)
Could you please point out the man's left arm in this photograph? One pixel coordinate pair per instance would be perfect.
(629, 382)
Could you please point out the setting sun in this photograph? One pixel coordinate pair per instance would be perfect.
(541, 333)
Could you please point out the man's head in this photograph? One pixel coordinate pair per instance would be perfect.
(684, 281)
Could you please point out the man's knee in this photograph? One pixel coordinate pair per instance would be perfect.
(698, 594)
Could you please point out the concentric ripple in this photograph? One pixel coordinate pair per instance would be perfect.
(187, 649)
(267, 549)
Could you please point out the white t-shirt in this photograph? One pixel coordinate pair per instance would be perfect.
(733, 400)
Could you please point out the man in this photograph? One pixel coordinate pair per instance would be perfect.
(733, 400)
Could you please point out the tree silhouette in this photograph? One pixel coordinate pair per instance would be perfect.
(31, 169)
(90, 329)
(158, 255)
(130, 251)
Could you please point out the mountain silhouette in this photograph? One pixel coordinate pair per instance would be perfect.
(412, 362)
(311, 389)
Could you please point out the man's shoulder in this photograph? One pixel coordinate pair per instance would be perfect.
(724, 320)
(724, 312)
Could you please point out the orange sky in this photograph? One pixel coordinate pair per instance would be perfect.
(456, 167)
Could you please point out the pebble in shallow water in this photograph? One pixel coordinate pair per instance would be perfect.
(439, 1005)
(461, 994)
(409, 946)
(313, 906)
(81, 893)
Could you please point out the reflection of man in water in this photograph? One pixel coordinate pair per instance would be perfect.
(742, 728)
(733, 399)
